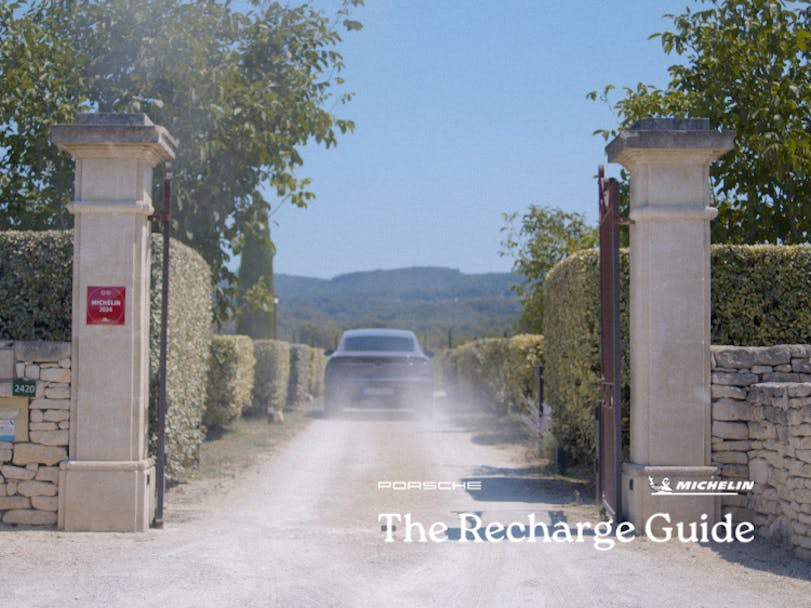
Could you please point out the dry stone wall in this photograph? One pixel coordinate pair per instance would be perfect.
(29, 465)
(761, 431)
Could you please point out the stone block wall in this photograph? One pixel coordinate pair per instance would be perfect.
(761, 431)
(29, 466)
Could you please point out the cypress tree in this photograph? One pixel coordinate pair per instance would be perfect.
(255, 306)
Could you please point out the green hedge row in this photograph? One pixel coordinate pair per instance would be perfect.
(307, 365)
(36, 278)
(282, 376)
(572, 325)
(272, 376)
(318, 367)
(761, 296)
(498, 372)
(230, 380)
(188, 350)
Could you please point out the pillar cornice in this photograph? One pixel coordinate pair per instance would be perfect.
(107, 135)
(669, 141)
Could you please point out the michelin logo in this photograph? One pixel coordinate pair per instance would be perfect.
(700, 488)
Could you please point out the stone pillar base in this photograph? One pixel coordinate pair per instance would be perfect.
(102, 496)
(640, 501)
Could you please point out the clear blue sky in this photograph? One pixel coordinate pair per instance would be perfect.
(465, 110)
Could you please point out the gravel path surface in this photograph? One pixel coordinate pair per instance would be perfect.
(302, 529)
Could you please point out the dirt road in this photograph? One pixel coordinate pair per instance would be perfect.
(302, 529)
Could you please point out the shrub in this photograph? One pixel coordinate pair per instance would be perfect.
(484, 366)
(498, 372)
(761, 296)
(188, 351)
(36, 276)
(446, 376)
(307, 365)
(272, 375)
(318, 365)
(298, 393)
(526, 352)
(572, 372)
(230, 380)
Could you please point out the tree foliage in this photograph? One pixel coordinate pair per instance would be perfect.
(255, 310)
(241, 91)
(744, 64)
(537, 241)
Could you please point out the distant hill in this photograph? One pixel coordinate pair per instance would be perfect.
(416, 282)
(431, 301)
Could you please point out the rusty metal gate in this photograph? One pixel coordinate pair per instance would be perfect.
(609, 409)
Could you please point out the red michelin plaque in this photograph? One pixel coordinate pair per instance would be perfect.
(105, 305)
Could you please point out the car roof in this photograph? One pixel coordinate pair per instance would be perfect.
(379, 332)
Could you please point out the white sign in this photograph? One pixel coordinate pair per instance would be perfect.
(7, 430)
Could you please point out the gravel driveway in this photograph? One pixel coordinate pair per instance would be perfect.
(302, 529)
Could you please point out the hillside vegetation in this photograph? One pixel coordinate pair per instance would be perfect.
(430, 301)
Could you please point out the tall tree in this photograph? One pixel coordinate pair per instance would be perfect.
(256, 310)
(536, 241)
(744, 64)
(241, 91)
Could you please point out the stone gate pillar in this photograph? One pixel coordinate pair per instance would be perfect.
(108, 482)
(669, 162)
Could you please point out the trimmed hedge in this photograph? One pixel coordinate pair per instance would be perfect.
(572, 372)
(446, 372)
(230, 380)
(188, 350)
(272, 376)
(307, 365)
(526, 351)
(499, 372)
(318, 368)
(36, 278)
(761, 296)
(298, 392)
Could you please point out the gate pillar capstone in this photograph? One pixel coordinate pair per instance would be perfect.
(669, 162)
(108, 482)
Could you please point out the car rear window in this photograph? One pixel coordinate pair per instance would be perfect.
(379, 343)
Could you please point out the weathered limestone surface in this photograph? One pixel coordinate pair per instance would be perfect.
(108, 481)
(55, 374)
(761, 432)
(30, 517)
(29, 471)
(669, 161)
(20, 473)
(6, 363)
(41, 351)
(27, 453)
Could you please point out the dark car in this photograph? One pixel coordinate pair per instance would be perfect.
(378, 367)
